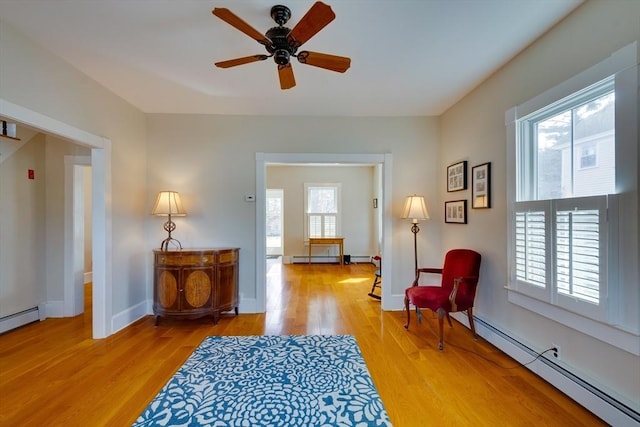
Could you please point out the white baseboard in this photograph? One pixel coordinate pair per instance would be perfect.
(601, 404)
(130, 315)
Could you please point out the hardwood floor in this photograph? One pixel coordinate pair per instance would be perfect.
(53, 374)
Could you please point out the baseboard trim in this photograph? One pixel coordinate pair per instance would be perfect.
(597, 401)
(130, 315)
(327, 259)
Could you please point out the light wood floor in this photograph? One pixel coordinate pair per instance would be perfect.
(53, 374)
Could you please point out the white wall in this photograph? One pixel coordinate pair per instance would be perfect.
(22, 229)
(210, 160)
(357, 190)
(474, 130)
(43, 83)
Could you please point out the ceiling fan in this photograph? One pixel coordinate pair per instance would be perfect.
(282, 43)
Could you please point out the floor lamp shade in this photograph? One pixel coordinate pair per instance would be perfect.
(415, 209)
(169, 204)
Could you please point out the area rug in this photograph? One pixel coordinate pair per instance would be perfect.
(306, 380)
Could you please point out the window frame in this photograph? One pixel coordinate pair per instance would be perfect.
(621, 325)
(337, 187)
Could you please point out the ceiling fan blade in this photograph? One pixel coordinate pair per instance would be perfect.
(285, 73)
(230, 18)
(315, 19)
(339, 64)
(240, 61)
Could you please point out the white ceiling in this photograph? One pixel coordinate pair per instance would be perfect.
(408, 57)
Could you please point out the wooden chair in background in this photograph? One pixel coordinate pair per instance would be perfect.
(378, 277)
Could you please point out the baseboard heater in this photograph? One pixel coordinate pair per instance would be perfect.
(605, 406)
(21, 318)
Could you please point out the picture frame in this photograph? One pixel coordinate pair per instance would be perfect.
(455, 212)
(481, 186)
(457, 176)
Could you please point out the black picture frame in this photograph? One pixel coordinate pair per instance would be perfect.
(455, 212)
(457, 176)
(481, 186)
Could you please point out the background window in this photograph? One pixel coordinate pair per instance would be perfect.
(322, 210)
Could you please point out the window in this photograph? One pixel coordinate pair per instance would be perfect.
(560, 239)
(588, 157)
(322, 210)
(572, 193)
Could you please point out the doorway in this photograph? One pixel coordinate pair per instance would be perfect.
(100, 210)
(265, 159)
(274, 222)
(78, 233)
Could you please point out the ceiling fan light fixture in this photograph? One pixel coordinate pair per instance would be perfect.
(281, 57)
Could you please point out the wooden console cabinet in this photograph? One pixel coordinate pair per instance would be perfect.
(192, 283)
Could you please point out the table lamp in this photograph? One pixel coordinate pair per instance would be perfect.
(169, 204)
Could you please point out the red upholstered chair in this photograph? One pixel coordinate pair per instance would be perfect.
(456, 291)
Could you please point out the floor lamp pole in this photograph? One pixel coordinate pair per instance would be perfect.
(415, 229)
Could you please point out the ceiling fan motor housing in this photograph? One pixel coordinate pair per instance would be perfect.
(280, 47)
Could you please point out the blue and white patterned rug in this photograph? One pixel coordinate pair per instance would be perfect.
(309, 380)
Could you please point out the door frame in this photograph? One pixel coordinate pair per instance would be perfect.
(265, 159)
(100, 209)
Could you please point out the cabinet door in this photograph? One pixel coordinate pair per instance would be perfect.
(197, 288)
(167, 289)
(227, 286)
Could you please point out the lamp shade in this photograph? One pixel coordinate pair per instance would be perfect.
(168, 203)
(415, 208)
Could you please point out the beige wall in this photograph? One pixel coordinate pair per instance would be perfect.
(43, 83)
(210, 160)
(474, 130)
(357, 184)
(22, 229)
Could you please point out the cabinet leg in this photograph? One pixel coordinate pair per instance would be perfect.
(155, 323)
(215, 319)
(236, 310)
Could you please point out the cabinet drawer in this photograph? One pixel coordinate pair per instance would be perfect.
(227, 257)
(184, 259)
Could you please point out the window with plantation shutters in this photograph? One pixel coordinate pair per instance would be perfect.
(572, 194)
(559, 226)
(322, 210)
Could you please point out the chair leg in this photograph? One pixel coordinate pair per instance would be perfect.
(449, 320)
(376, 284)
(471, 325)
(406, 307)
(441, 315)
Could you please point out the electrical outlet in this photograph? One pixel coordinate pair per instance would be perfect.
(556, 351)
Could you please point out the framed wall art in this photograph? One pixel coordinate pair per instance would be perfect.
(481, 186)
(457, 176)
(455, 212)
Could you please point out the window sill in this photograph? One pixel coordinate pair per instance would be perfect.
(614, 335)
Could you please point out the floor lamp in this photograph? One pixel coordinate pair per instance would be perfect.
(416, 210)
(169, 204)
